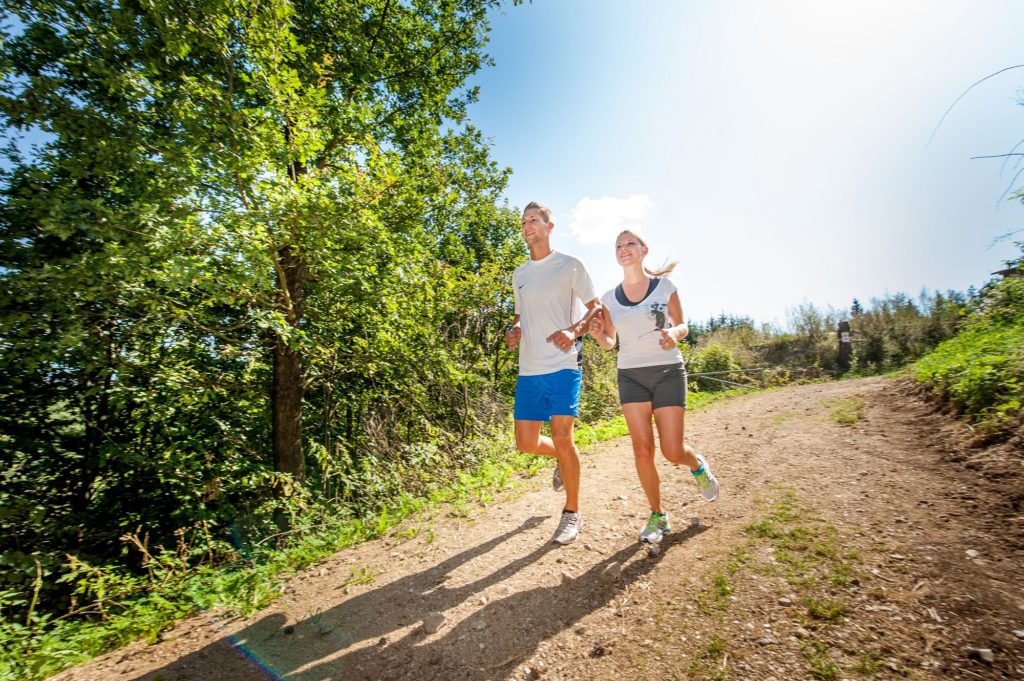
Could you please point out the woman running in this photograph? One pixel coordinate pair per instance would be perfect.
(645, 314)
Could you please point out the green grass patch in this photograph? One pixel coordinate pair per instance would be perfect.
(586, 435)
(820, 665)
(980, 371)
(360, 575)
(780, 417)
(704, 660)
(846, 411)
(825, 609)
(869, 663)
(809, 554)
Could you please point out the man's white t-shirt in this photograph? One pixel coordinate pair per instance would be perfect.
(549, 294)
(639, 325)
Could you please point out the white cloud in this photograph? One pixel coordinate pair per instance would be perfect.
(596, 221)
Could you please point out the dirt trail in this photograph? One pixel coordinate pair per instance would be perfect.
(919, 543)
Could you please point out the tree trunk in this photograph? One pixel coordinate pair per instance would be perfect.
(288, 380)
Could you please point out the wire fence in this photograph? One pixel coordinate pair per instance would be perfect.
(764, 375)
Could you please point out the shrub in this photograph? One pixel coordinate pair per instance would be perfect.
(980, 372)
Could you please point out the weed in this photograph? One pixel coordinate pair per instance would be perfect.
(869, 662)
(722, 589)
(842, 574)
(778, 418)
(701, 660)
(828, 610)
(407, 534)
(846, 411)
(361, 575)
(822, 668)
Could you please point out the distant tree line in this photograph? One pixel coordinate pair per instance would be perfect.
(886, 334)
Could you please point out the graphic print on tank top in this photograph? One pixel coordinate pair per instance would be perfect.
(659, 316)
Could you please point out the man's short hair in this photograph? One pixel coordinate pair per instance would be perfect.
(544, 211)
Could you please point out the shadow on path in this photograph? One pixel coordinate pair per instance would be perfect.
(353, 640)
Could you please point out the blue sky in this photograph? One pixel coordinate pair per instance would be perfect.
(779, 150)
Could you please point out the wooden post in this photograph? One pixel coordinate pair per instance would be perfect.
(845, 347)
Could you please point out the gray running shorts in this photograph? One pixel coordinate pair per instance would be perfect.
(663, 385)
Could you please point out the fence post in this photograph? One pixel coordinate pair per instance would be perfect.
(845, 347)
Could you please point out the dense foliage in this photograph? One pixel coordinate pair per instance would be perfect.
(981, 371)
(253, 257)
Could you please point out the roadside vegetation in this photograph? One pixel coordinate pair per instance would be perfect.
(980, 372)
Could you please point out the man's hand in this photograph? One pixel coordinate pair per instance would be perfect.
(596, 325)
(513, 336)
(563, 340)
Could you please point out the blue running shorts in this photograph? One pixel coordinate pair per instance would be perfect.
(538, 398)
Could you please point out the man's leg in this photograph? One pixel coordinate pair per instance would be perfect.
(564, 449)
(530, 441)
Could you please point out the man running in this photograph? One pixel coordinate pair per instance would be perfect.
(554, 302)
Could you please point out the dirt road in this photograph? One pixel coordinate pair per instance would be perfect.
(884, 547)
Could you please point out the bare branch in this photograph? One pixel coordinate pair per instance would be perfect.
(1003, 168)
(1010, 186)
(1003, 237)
(964, 93)
(996, 156)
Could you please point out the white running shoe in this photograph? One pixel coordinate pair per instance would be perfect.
(706, 479)
(556, 479)
(568, 527)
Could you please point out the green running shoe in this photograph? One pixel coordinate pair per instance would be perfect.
(655, 529)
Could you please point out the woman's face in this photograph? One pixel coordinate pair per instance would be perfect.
(628, 249)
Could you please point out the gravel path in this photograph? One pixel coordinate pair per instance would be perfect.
(889, 548)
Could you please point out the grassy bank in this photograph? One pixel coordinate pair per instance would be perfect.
(980, 371)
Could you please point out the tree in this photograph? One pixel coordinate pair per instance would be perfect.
(231, 202)
(284, 124)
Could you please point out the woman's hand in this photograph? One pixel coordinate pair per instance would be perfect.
(669, 338)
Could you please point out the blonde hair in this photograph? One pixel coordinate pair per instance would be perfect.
(665, 269)
(544, 211)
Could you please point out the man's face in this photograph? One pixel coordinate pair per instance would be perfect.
(535, 228)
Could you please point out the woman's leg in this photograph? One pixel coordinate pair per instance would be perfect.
(671, 433)
(638, 419)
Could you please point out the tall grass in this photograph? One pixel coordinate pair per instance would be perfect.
(980, 371)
